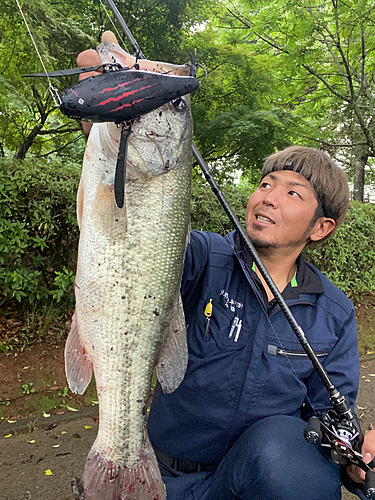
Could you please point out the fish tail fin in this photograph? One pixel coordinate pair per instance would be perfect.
(106, 480)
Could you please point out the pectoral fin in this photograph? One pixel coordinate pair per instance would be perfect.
(172, 363)
(78, 367)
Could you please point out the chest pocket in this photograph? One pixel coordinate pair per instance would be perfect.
(230, 331)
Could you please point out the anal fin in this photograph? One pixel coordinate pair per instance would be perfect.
(172, 362)
(78, 367)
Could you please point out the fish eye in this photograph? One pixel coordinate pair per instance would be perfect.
(179, 103)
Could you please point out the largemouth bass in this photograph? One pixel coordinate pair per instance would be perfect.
(128, 310)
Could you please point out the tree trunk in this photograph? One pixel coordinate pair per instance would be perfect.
(359, 178)
(44, 111)
(28, 142)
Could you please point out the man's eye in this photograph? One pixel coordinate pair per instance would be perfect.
(294, 193)
(265, 185)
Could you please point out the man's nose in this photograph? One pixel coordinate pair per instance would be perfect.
(272, 198)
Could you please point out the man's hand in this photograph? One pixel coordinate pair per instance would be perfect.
(368, 453)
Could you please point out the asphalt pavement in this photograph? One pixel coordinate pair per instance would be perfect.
(39, 458)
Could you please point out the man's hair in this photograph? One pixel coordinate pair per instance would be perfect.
(329, 181)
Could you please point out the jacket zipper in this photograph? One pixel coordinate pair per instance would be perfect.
(277, 351)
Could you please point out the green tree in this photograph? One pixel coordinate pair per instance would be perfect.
(237, 121)
(325, 65)
(29, 117)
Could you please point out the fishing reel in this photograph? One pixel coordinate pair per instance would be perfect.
(342, 434)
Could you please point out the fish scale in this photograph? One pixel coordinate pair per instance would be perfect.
(129, 270)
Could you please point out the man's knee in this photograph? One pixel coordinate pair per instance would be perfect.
(273, 459)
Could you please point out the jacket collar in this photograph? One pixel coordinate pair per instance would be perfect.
(306, 280)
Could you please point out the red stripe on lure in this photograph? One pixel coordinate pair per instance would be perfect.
(126, 94)
(118, 86)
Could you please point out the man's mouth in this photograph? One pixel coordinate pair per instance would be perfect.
(264, 218)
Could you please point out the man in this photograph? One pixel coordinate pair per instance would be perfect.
(234, 427)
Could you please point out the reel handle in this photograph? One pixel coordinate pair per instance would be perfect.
(313, 431)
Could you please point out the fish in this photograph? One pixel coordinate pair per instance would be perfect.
(129, 316)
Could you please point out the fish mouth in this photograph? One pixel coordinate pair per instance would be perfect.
(111, 53)
(263, 219)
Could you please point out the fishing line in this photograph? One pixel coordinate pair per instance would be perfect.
(53, 91)
(208, 195)
(119, 36)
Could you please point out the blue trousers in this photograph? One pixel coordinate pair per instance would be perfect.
(270, 461)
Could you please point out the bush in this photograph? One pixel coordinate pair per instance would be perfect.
(207, 213)
(38, 230)
(348, 258)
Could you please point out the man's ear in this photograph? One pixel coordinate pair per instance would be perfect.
(322, 228)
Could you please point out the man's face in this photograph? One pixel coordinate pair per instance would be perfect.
(280, 211)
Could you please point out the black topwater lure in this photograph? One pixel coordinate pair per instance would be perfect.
(119, 94)
(122, 95)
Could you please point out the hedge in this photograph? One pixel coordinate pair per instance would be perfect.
(38, 230)
(39, 235)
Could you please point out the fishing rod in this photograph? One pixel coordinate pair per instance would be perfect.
(339, 429)
(337, 399)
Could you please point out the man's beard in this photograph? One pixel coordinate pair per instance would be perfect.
(267, 246)
(260, 244)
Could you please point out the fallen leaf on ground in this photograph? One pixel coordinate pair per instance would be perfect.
(72, 409)
(46, 415)
(64, 432)
(12, 421)
(370, 352)
(55, 446)
(8, 436)
(48, 472)
(31, 441)
(54, 388)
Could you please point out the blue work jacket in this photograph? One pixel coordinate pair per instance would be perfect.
(233, 380)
